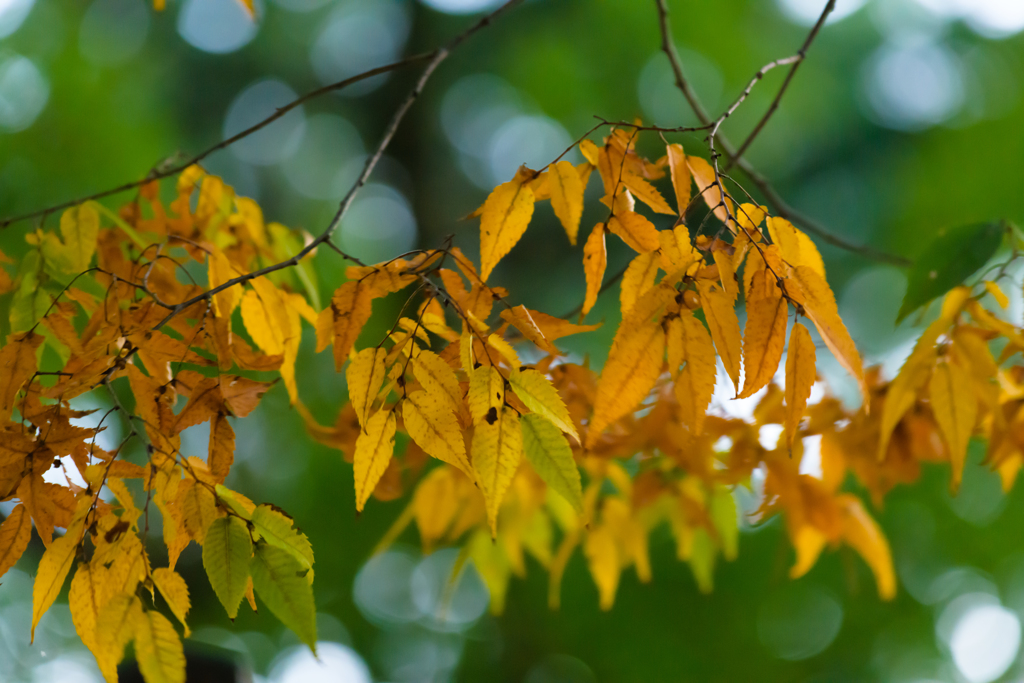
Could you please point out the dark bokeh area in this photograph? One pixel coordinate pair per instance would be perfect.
(907, 117)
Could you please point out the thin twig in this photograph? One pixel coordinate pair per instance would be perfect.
(439, 56)
(178, 168)
(798, 59)
(780, 206)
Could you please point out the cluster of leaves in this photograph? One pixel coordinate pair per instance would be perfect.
(538, 458)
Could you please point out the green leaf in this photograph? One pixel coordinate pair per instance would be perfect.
(551, 456)
(280, 581)
(723, 516)
(276, 529)
(541, 397)
(949, 259)
(227, 550)
(158, 649)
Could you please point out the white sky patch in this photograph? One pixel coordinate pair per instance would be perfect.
(810, 463)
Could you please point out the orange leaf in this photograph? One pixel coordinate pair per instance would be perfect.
(680, 173)
(696, 383)
(955, 407)
(504, 219)
(566, 196)
(764, 337)
(724, 326)
(17, 365)
(635, 230)
(595, 260)
(800, 376)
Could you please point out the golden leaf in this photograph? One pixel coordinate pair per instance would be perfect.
(704, 177)
(175, 592)
(437, 378)
(680, 174)
(861, 532)
(724, 326)
(430, 422)
(486, 391)
(504, 218)
(800, 376)
(595, 260)
(17, 365)
(696, 383)
(539, 395)
(497, 449)
(364, 376)
(636, 231)
(955, 407)
(764, 337)
(632, 369)
(566, 196)
(903, 390)
(602, 555)
(158, 649)
(638, 278)
(15, 533)
(374, 448)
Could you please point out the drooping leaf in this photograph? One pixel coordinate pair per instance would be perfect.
(595, 261)
(280, 581)
(680, 173)
(724, 326)
(374, 448)
(175, 591)
(955, 407)
(497, 449)
(764, 337)
(566, 197)
(800, 376)
(17, 365)
(15, 533)
(704, 178)
(431, 423)
(638, 278)
(695, 384)
(551, 456)
(503, 220)
(903, 390)
(437, 378)
(364, 376)
(632, 369)
(227, 549)
(539, 395)
(861, 532)
(158, 649)
(950, 258)
(486, 391)
(54, 566)
(278, 530)
(635, 230)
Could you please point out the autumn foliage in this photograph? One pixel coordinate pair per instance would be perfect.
(158, 307)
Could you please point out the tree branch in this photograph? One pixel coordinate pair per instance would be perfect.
(780, 206)
(437, 56)
(797, 60)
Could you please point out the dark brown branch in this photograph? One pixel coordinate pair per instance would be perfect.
(798, 59)
(438, 56)
(178, 168)
(780, 206)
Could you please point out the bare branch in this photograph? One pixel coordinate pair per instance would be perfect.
(438, 56)
(780, 206)
(798, 59)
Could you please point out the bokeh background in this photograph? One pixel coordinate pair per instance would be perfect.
(906, 118)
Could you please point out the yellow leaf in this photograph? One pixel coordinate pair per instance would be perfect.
(727, 273)
(796, 247)
(680, 174)
(704, 178)
(430, 422)
(90, 590)
(79, 228)
(808, 543)
(523, 320)
(351, 307)
(635, 230)
(566, 196)
(497, 450)
(53, 569)
(227, 550)
(115, 628)
(17, 365)
(285, 328)
(800, 376)
(902, 391)
(820, 305)
(492, 565)
(435, 504)
(539, 395)
(158, 649)
(551, 456)
(175, 592)
(437, 378)
(506, 213)
(633, 366)
(595, 260)
(696, 383)
(364, 376)
(602, 555)
(505, 349)
(486, 391)
(955, 407)
(724, 326)
(676, 249)
(638, 278)
(218, 271)
(861, 533)
(15, 533)
(997, 293)
(764, 337)
(646, 192)
(374, 448)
